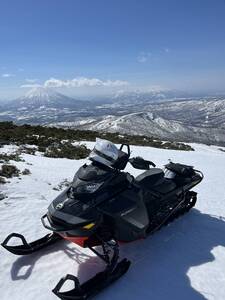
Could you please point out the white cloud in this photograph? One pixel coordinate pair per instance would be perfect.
(31, 80)
(143, 56)
(83, 82)
(142, 59)
(34, 85)
(7, 75)
(75, 82)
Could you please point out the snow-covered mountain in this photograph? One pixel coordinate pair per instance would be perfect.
(41, 97)
(149, 124)
(153, 95)
(203, 112)
(185, 260)
(139, 96)
(42, 106)
(144, 123)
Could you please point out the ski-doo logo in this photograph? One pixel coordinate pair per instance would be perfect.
(59, 206)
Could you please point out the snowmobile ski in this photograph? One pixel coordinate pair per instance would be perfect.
(28, 248)
(91, 287)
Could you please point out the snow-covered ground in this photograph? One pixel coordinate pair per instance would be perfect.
(185, 260)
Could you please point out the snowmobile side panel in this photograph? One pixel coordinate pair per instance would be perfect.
(128, 215)
(165, 186)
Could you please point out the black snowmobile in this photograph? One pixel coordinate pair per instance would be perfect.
(105, 206)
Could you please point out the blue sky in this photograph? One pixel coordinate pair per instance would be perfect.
(99, 46)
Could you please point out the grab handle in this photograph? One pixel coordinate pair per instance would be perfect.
(48, 226)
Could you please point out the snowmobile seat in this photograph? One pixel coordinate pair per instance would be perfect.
(150, 177)
(164, 186)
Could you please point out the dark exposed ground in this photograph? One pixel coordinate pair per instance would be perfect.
(45, 137)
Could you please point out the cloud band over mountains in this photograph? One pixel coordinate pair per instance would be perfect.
(78, 82)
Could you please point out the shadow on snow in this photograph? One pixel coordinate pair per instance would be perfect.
(159, 264)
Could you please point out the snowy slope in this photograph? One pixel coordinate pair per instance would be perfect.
(202, 112)
(144, 123)
(185, 260)
(150, 123)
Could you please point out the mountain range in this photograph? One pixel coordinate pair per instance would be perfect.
(163, 114)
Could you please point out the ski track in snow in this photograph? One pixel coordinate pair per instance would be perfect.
(185, 260)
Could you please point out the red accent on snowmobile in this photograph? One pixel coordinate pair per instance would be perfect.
(82, 241)
(75, 239)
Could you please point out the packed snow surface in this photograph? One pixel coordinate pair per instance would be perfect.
(185, 260)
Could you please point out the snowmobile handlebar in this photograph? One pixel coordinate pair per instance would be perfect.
(140, 163)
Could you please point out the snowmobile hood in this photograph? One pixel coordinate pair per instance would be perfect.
(64, 213)
(56, 213)
(94, 172)
(75, 205)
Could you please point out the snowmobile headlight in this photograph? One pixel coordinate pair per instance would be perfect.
(88, 188)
